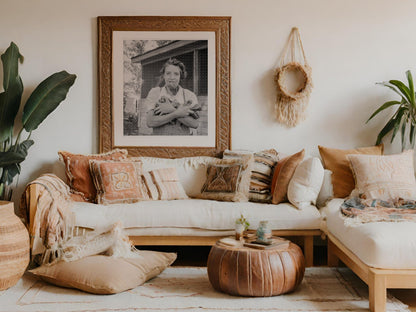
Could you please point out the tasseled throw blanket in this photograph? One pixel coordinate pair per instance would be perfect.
(52, 222)
(51, 227)
(359, 210)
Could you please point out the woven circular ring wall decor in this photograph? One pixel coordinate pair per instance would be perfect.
(303, 80)
(293, 81)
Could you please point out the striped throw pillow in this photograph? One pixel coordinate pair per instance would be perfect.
(164, 184)
(261, 172)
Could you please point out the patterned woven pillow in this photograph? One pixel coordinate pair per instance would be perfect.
(261, 173)
(77, 169)
(384, 177)
(228, 179)
(118, 181)
(164, 184)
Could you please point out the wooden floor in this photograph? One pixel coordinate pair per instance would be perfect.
(198, 255)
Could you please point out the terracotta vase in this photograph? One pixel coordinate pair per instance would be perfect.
(14, 246)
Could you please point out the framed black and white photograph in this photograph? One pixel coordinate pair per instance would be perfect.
(164, 85)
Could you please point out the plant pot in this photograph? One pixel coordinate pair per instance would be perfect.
(14, 246)
(239, 230)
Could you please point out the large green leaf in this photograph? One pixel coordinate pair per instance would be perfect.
(9, 172)
(403, 89)
(403, 136)
(386, 129)
(10, 60)
(13, 89)
(383, 107)
(16, 154)
(412, 135)
(45, 98)
(411, 88)
(398, 120)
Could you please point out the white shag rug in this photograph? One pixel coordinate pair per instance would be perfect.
(188, 289)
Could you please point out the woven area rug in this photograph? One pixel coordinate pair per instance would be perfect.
(188, 289)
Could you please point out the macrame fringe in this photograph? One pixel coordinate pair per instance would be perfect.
(290, 107)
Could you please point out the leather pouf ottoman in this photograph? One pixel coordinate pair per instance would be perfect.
(246, 271)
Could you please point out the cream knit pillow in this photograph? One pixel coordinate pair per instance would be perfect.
(384, 177)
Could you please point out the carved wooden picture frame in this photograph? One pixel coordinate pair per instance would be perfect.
(132, 55)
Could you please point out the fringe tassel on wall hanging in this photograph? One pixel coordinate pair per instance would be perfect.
(293, 82)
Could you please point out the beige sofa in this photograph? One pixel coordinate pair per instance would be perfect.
(192, 221)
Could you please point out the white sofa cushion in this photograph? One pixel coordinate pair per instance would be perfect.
(191, 170)
(385, 245)
(195, 213)
(306, 183)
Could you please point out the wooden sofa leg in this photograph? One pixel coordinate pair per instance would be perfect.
(377, 292)
(333, 260)
(308, 250)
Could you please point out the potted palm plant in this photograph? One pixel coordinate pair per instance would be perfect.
(404, 117)
(41, 102)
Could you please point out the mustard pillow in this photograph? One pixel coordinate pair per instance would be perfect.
(105, 275)
(336, 161)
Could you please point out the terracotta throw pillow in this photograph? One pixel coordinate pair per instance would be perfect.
(106, 275)
(228, 179)
(118, 181)
(384, 177)
(77, 169)
(336, 161)
(283, 172)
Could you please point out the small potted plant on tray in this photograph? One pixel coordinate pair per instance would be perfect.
(241, 225)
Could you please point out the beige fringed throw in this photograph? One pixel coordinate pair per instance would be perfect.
(293, 82)
(51, 228)
(53, 221)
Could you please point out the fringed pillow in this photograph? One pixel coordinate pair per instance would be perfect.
(118, 181)
(384, 177)
(228, 179)
(261, 173)
(77, 169)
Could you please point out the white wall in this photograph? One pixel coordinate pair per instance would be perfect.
(350, 45)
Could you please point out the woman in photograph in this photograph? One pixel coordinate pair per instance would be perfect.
(173, 109)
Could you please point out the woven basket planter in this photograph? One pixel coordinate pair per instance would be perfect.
(14, 246)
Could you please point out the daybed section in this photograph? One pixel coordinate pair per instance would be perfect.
(382, 254)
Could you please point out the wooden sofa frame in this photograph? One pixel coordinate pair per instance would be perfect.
(306, 236)
(378, 280)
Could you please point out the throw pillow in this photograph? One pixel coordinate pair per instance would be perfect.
(118, 181)
(228, 179)
(164, 184)
(384, 177)
(77, 169)
(106, 275)
(327, 192)
(261, 173)
(283, 172)
(336, 161)
(306, 183)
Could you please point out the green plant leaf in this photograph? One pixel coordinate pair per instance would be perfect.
(383, 107)
(412, 135)
(45, 98)
(16, 154)
(403, 89)
(386, 129)
(403, 135)
(411, 88)
(397, 121)
(9, 172)
(13, 89)
(10, 60)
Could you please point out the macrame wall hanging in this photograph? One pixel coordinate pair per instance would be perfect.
(293, 82)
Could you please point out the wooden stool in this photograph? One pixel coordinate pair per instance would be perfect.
(245, 271)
